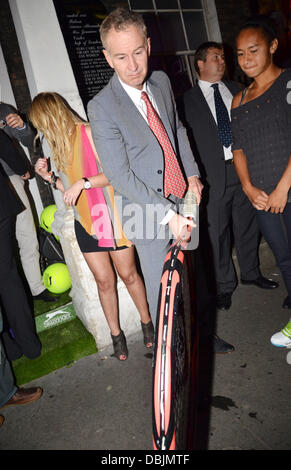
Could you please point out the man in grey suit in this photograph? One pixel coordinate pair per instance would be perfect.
(131, 155)
(228, 209)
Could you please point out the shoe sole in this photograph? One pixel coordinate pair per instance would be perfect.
(224, 352)
(249, 283)
(24, 403)
(223, 308)
(281, 345)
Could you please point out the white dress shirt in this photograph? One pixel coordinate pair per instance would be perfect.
(135, 96)
(227, 97)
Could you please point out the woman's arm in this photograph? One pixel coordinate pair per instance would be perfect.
(257, 197)
(278, 198)
(98, 181)
(71, 194)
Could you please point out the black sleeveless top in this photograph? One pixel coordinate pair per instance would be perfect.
(262, 129)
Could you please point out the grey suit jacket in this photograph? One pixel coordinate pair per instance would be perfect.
(130, 154)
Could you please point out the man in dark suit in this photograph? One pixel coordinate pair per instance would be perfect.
(22, 337)
(10, 394)
(229, 213)
(142, 144)
(19, 131)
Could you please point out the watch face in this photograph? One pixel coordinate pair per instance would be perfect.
(87, 184)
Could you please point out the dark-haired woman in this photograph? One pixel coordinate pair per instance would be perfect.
(261, 124)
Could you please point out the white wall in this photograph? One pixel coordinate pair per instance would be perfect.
(43, 50)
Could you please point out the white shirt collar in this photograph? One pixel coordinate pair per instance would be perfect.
(205, 86)
(134, 93)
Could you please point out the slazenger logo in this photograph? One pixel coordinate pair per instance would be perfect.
(62, 316)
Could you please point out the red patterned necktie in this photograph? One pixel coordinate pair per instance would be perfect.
(174, 181)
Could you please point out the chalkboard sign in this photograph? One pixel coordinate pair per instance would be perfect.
(80, 22)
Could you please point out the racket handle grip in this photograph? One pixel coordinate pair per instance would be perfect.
(190, 205)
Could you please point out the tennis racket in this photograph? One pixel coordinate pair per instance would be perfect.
(175, 354)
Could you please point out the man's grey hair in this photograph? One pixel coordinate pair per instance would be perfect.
(119, 19)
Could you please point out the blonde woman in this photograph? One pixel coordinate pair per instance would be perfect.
(86, 188)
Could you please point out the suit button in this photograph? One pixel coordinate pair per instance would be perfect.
(159, 172)
(159, 190)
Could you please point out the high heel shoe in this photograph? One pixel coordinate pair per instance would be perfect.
(119, 346)
(148, 333)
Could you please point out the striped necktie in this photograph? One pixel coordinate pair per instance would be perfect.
(174, 181)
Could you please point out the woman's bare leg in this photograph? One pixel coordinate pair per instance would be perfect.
(124, 262)
(101, 267)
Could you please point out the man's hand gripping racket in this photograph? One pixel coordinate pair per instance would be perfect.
(189, 235)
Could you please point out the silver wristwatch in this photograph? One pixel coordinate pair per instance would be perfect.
(87, 184)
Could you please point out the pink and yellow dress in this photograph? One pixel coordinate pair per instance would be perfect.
(97, 222)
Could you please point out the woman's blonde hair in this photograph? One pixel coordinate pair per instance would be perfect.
(52, 116)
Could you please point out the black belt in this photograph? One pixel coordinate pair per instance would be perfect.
(229, 161)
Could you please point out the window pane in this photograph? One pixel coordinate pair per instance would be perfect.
(195, 29)
(151, 22)
(177, 72)
(190, 4)
(172, 32)
(108, 4)
(166, 4)
(141, 4)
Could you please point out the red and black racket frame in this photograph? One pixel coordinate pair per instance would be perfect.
(169, 308)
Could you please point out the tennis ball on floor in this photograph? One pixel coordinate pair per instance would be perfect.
(56, 278)
(47, 217)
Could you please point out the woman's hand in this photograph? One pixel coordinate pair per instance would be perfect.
(71, 195)
(278, 198)
(257, 197)
(276, 201)
(41, 168)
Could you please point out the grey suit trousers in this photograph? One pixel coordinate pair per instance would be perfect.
(152, 256)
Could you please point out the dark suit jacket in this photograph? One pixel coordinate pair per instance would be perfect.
(25, 136)
(203, 135)
(9, 201)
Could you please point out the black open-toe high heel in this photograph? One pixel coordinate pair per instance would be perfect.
(148, 333)
(119, 346)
